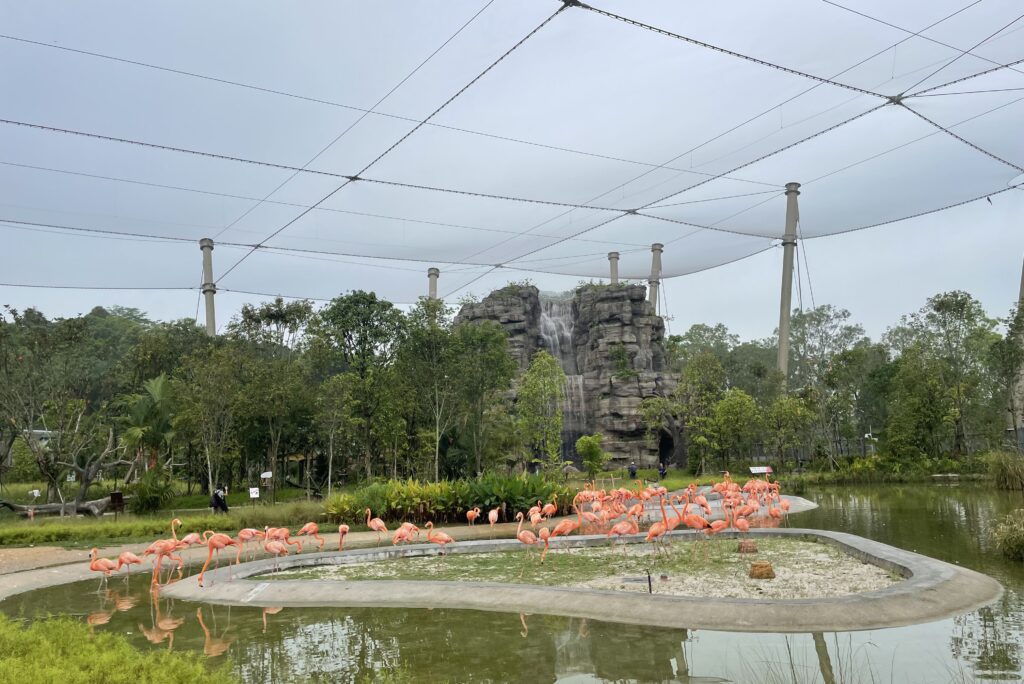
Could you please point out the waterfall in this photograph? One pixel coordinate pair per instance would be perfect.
(556, 331)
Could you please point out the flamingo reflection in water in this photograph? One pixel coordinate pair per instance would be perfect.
(270, 610)
(163, 625)
(213, 646)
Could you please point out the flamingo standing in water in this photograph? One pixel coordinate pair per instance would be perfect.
(128, 558)
(472, 514)
(313, 531)
(103, 565)
(376, 524)
(215, 541)
(342, 531)
(439, 538)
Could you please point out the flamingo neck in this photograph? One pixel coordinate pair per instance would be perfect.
(367, 516)
(664, 515)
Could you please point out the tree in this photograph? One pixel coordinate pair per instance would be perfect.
(787, 421)
(687, 414)
(1006, 359)
(716, 339)
(335, 416)
(147, 422)
(920, 408)
(738, 423)
(430, 363)
(209, 385)
(953, 328)
(588, 448)
(539, 405)
(360, 334)
(276, 325)
(485, 370)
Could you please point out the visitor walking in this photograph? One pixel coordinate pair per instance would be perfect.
(662, 470)
(219, 500)
(632, 470)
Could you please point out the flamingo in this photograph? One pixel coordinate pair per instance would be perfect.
(246, 535)
(377, 525)
(659, 528)
(439, 538)
(534, 510)
(627, 526)
(128, 558)
(472, 514)
(492, 518)
(164, 548)
(270, 610)
(342, 531)
(545, 534)
(312, 530)
(525, 536)
(103, 565)
(550, 509)
(276, 549)
(566, 527)
(411, 529)
(215, 541)
(281, 534)
(402, 534)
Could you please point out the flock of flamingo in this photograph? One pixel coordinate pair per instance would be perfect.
(597, 511)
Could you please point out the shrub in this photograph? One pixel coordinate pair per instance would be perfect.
(64, 650)
(1008, 535)
(588, 447)
(153, 490)
(1006, 470)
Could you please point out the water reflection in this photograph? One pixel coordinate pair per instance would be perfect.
(275, 645)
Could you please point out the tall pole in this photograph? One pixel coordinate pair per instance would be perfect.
(788, 247)
(209, 288)
(613, 267)
(432, 274)
(655, 278)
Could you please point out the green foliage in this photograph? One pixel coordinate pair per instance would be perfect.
(621, 362)
(23, 465)
(539, 404)
(588, 448)
(65, 650)
(152, 492)
(1008, 535)
(445, 501)
(1006, 470)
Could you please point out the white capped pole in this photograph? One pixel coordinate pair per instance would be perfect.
(209, 288)
(786, 300)
(432, 274)
(655, 278)
(613, 267)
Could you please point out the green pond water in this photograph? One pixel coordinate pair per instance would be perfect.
(394, 645)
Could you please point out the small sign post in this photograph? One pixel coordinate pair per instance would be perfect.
(761, 470)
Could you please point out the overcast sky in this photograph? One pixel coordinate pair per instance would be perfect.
(590, 115)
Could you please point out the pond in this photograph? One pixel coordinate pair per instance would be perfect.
(357, 645)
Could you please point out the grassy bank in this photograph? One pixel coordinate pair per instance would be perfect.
(66, 651)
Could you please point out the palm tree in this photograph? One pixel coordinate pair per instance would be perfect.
(147, 424)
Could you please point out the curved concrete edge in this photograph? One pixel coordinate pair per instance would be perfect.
(932, 590)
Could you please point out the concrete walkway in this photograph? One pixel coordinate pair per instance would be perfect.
(931, 591)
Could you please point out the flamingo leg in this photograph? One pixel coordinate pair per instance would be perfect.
(202, 572)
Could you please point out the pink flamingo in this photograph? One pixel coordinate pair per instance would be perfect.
(492, 518)
(545, 534)
(245, 536)
(103, 565)
(312, 530)
(276, 549)
(472, 514)
(439, 538)
(377, 525)
(128, 558)
(525, 536)
(550, 509)
(215, 541)
(282, 534)
(342, 531)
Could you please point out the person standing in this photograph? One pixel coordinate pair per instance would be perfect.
(632, 470)
(219, 500)
(662, 470)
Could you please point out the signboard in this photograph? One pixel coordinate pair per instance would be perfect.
(34, 493)
(71, 477)
(254, 492)
(760, 470)
(267, 475)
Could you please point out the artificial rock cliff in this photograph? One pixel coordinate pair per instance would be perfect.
(609, 342)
